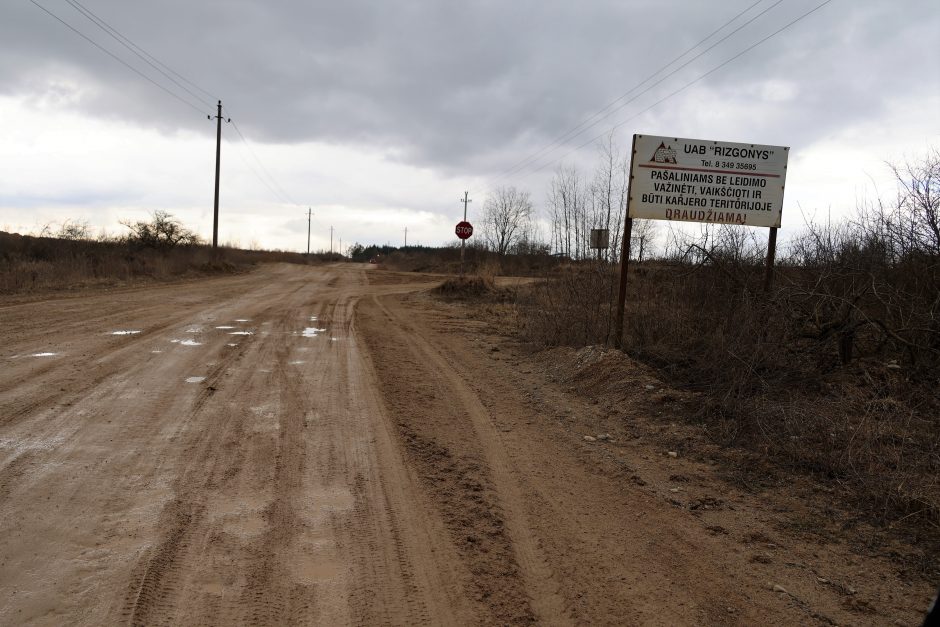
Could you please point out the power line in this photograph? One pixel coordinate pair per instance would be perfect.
(254, 155)
(117, 58)
(253, 170)
(684, 87)
(606, 112)
(138, 51)
(270, 182)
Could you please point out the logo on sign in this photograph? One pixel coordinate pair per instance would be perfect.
(664, 154)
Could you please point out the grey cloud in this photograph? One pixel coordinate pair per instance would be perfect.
(453, 84)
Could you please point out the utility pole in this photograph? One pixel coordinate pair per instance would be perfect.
(331, 241)
(463, 242)
(406, 237)
(218, 163)
(309, 215)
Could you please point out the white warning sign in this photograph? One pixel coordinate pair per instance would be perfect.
(698, 180)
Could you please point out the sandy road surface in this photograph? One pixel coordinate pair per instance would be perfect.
(300, 446)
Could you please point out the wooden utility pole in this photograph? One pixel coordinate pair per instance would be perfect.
(309, 215)
(218, 164)
(463, 242)
(331, 241)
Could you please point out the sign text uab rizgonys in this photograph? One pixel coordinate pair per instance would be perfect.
(697, 180)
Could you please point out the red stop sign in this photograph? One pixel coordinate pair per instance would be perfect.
(464, 229)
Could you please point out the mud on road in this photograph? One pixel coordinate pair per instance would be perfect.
(329, 446)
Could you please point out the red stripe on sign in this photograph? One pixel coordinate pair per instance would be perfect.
(738, 172)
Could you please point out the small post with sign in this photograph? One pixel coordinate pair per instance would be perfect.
(696, 180)
(600, 240)
(462, 228)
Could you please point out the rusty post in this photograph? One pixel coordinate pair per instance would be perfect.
(622, 294)
(771, 254)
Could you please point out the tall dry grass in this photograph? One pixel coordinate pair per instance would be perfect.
(834, 373)
(29, 264)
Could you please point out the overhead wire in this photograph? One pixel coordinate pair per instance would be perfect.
(281, 193)
(607, 111)
(117, 58)
(142, 54)
(683, 88)
(270, 182)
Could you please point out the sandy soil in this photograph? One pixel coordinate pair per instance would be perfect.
(329, 446)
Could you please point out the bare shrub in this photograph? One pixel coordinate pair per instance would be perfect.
(162, 231)
(506, 218)
(834, 373)
(574, 307)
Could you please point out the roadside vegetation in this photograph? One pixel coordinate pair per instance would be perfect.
(160, 249)
(832, 374)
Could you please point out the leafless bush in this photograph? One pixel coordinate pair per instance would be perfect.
(573, 307)
(162, 231)
(833, 373)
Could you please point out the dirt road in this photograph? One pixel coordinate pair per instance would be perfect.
(313, 446)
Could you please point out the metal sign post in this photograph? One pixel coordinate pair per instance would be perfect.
(463, 240)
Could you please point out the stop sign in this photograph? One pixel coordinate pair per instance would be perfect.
(464, 229)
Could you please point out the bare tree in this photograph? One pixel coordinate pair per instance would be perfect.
(916, 220)
(609, 192)
(506, 217)
(567, 203)
(162, 231)
(74, 229)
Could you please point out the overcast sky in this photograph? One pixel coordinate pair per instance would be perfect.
(378, 115)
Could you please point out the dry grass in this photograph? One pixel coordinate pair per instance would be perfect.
(30, 264)
(834, 374)
(470, 287)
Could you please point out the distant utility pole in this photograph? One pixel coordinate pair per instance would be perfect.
(406, 237)
(218, 163)
(309, 215)
(331, 240)
(463, 242)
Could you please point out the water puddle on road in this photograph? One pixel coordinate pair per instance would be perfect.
(225, 327)
(190, 343)
(156, 352)
(232, 345)
(194, 330)
(297, 362)
(128, 332)
(242, 319)
(312, 332)
(44, 354)
(195, 379)
(242, 333)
